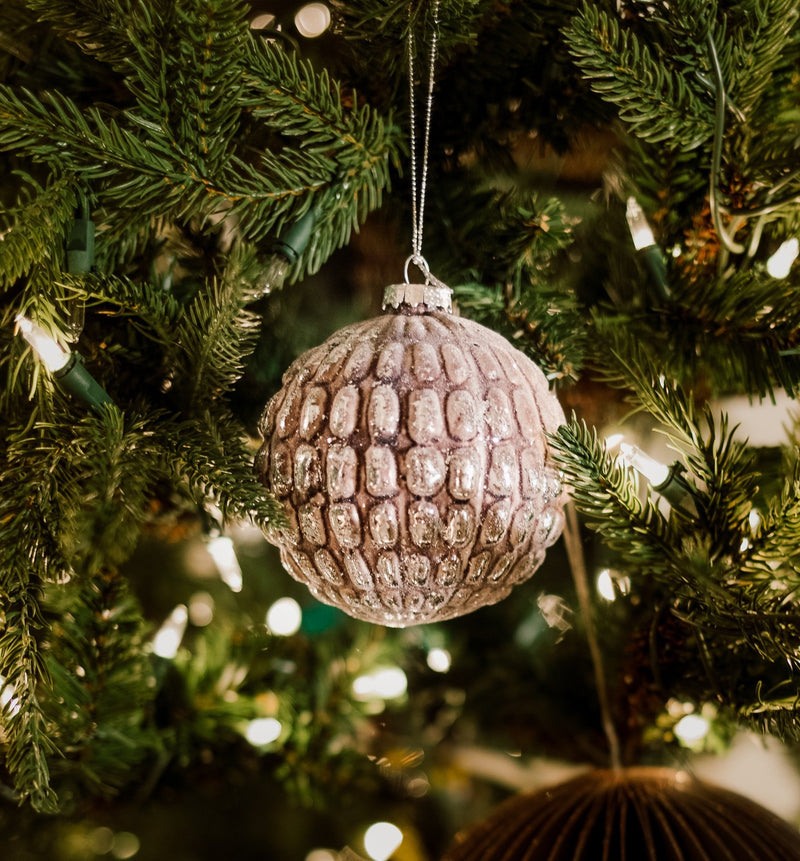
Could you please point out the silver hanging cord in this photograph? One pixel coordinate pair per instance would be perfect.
(418, 189)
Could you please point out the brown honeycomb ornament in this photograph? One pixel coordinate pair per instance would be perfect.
(632, 814)
(409, 453)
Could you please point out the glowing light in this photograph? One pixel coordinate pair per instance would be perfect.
(261, 22)
(224, 555)
(610, 585)
(656, 473)
(312, 20)
(321, 855)
(386, 683)
(605, 585)
(390, 683)
(381, 840)
(168, 638)
(201, 609)
(125, 845)
(641, 232)
(691, 728)
(613, 441)
(439, 660)
(54, 356)
(754, 519)
(101, 840)
(263, 731)
(781, 261)
(284, 617)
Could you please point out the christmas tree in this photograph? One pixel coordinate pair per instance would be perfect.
(193, 194)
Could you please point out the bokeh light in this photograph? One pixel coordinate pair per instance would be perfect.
(263, 731)
(284, 617)
(439, 660)
(381, 840)
(168, 638)
(312, 20)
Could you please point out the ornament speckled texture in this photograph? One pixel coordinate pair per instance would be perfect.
(410, 455)
(635, 813)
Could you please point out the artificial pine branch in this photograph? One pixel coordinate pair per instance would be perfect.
(103, 685)
(29, 519)
(740, 331)
(605, 493)
(658, 101)
(33, 231)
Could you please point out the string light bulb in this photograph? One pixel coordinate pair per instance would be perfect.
(381, 840)
(263, 731)
(641, 232)
(645, 244)
(285, 252)
(168, 638)
(284, 617)
(439, 660)
(666, 480)
(52, 354)
(312, 20)
(222, 551)
(384, 683)
(780, 263)
(65, 366)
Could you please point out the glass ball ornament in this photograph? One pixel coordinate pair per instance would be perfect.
(652, 814)
(410, 456)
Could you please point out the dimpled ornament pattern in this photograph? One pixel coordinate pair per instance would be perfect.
(409, 453)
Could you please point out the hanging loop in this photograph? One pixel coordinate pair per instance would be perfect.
(421, 263)
(419, 187)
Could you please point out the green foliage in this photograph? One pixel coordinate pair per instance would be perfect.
(739, 330)
(734, 582)
(512, 242)
(29, 518)
(655, 98)
(178, 68)
(103, 685)
(33, 231)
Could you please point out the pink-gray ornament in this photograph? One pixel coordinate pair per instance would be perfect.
(409, 453)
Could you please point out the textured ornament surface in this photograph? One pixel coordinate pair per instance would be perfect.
(638, 814)
(409, 452)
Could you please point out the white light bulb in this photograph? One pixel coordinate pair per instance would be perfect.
(385, 683)
(284, 617)
(321, 855)
(656, 473)
(439, 660)
(263, 731)
(641, 232)
(691, 728)
(381, 840)
(201, 609)
(54, 356)
(261, 22)
(781, 261)
(168, 638)
(312, 20)
(224, 555)
(605, 585)
(390, 683)
(610, 585)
